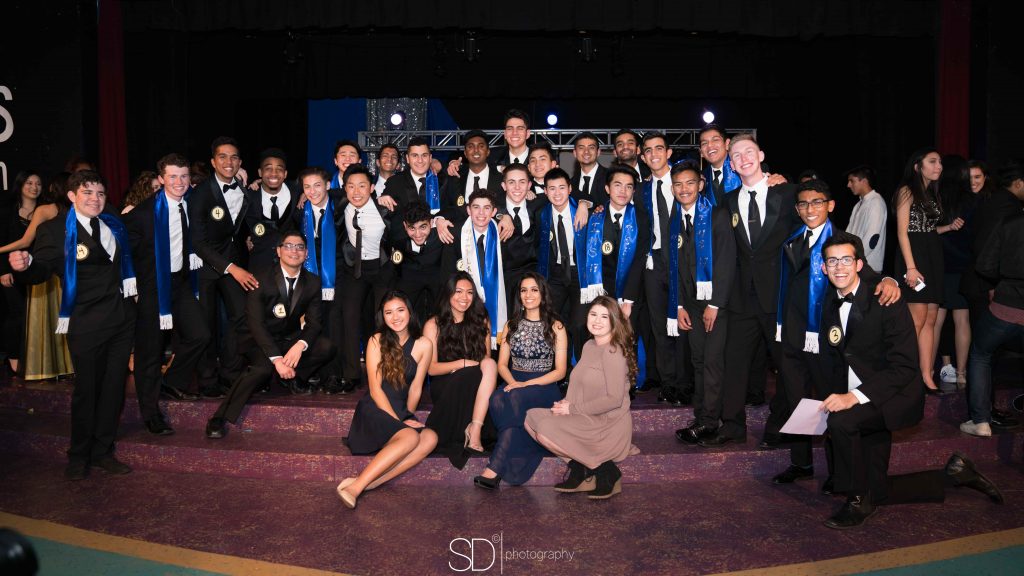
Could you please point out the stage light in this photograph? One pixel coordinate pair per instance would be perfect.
(708, 116)
(397, 119)
(552, 120)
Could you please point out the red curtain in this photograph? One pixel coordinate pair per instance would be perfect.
(113, 137)
(954, 78)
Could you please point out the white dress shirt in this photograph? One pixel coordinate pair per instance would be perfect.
(852, 379)
(666, 193)
(567, 226)
(305, 345)
(471, 177)
(762, 202)
(106, 236)
(372, 226)
(591, 175)
(868, 221)
(284, 198)
(233, 197)
(378, 187)
(524, 214)
(174, 232)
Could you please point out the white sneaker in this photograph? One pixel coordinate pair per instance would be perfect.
(983, 429)
(948, 374)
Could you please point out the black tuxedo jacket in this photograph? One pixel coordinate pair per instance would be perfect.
(346, 253)
(403, 189)
(141, 231)
(645, 171)
(218, 242)
(265, 233)
(597, 193)
(426, 262)
(880, 344)
(455, 187)
(500, 156)
(298, 214)
(519, 252)
(275, 321)
(988, 216)
(723, 258)
(758, 263)
(100, 305)
(633, 287)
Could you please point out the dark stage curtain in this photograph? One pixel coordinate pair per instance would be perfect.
(113, 136)
(954, 82)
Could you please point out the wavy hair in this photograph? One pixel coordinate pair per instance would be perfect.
(622, 334)
(392, 358)
(914, 182)
(547, 313)
(141, 189)
(468, 343)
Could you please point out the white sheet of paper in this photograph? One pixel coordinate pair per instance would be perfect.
(807, 419)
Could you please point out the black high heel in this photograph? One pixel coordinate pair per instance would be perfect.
(487, 483)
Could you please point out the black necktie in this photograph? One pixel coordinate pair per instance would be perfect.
(662, 216)
(359, 245)
(320, 223)
(480, 255)
(94, 224)
(419, 190)
(618, 222)
(476, 183)
(275, 215)
(805, 248)
(689, 227)
(754, 217)
(231, 186)
(586, 186)
(291, 288)
(517, 222)
(563, 246)
(516, 161)
(717, 178)
(184, 235)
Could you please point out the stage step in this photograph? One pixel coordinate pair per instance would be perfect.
(320, 457)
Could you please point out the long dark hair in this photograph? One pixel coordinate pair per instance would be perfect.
(622, 334)
(471, 340)
(913, 181)
(547, 313)
(990, 184)
(392, 358)
(19, 183)
(955, 194)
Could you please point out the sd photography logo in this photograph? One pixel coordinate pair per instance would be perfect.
(489, 555)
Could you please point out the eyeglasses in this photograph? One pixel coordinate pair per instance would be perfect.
(293, 247)
(846, 261)
(816, 203)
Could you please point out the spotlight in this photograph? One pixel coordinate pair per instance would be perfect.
(552, 120)
(708, 116)
(397, 119)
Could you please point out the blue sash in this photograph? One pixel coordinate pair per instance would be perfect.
(327, 239)
(544, 249)
(489, 277)
(704, 265)
(730, 180)
(817, 282)
(432, 192)
(627, 251)
(70, 287)
(336, 181)
(162, 253)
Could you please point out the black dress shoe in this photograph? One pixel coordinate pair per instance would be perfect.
(963, 473)
(216, 427)
(487, 483)
(177, 394)
(213, 391)
(159, 426)
(346, 386)
(1003, 420)
(297, 387)
(315, 382)
(76, 471)
(770, 442)
(112, 465)
(792, 474)
(853, 513)
(265, 388)
(330, 385)
(695, 434)
(828, 487)
(719, 440)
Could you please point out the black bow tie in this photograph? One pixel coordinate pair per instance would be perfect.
(231, 186)
(844, 299)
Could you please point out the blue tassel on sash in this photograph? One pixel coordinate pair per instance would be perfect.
(432, 192)
(327, 240)
(162, 254)
(627, 251)
(817, 282)
(489, 278)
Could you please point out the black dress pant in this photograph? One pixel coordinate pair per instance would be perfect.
(101, 367)
(261, 369)
(422, 288)
(707, 357)
(232, 295)
(800, 376)
(861, 445)
(747, 331)
(356, 295)
(192, 338)
(565, 299)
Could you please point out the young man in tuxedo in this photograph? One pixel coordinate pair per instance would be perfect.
(270, 210)
(89, 251)
(519, 252)
(590, 175)
(387, 164)
(627, 153)
(870, 358)
(802, 288)
(158, 229)
(474, 174)
(718, 171)
(540, 160)
(657, 203)
(364, 235)
(284, 323)
(346, 153)
(416, 257)
(696, 301)
(416, 182)
(216, 217)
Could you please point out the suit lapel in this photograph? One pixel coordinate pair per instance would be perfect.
(282, 287)
(773, 202)
(734, 209)
(299, 285)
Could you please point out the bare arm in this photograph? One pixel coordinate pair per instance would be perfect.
(422, 351)
(903, 202)
(42, 214)
(373, 376)
(504, 357)
(430, 331)
(561, 359)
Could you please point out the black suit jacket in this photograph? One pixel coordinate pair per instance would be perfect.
(988, 216)
(880, 344)
(426, 262)
(141, 230)
(519, 252)
(758, 264)
(1002, 262)
(597, 195)
(455, 187)
(723, 257)
(500, 156)
(633, 287)
(403, 189)
(265, 233)
(217, 242)
(272, 332)
(99, 305)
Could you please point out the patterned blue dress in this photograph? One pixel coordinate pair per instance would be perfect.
(516, 455)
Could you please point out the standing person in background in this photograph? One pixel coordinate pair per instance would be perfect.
(919, 259)
(869, 216)
(28, 188)
(387, 163)
(144, 186)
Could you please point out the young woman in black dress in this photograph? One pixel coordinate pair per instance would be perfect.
(462, 373)
(397, 358)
